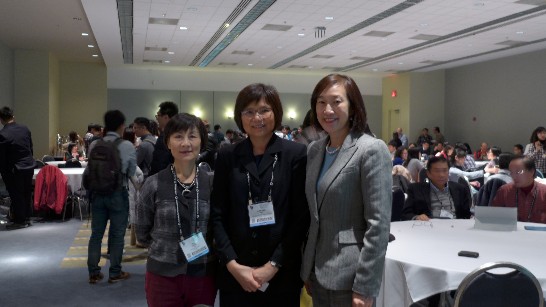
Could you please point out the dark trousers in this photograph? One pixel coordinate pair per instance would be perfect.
(19, 186)
(179, 291)
(260, 299)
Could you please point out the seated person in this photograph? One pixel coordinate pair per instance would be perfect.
(493, 157)
(73, 153)
(413, 164)
(401, 178)
(494, 182)
(524, 193)
(392, 148)
(481, 153)
(456, 170)
(518, 150)
(438, 198)
(400, 155)
(426, 150)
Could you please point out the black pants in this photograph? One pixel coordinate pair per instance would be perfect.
(260, 299)
(19, 186)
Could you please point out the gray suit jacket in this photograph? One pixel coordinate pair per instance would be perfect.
(350, 215)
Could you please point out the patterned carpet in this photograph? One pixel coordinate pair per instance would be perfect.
(76, 256)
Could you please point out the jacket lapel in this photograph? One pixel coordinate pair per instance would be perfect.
(246, 156)
(427, 198)
(315, 156)
(345, 154)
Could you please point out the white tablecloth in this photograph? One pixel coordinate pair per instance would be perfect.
(74, 176)
(423, 260)
(57, 163)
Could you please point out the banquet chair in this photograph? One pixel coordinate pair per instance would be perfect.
(38, 164)
(519, 287)
(72, 163)
(398, 199)
(47, 158)
(423, 175)
(539, 174)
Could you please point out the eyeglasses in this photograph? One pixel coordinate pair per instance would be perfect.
(517, 173)
(263, 113)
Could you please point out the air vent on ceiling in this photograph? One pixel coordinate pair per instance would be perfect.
(359, 58)
(227, 64)
(425, 37)
(322, 56)
(163, 21)
(155, 49)
(153, 61)
(243, 52)
(511, 43)
(272, 27)
(331, 68)
(532, 2)
(298, 66)
(378, 33)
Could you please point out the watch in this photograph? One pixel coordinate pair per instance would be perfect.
(274, 264)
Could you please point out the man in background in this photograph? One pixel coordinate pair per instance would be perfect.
(16, 167)
(162, 156)
(144, 151)
(403, 138)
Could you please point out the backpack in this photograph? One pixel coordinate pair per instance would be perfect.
(103, 172)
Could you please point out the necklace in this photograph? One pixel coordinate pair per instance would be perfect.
(333, 151)
(187, 187)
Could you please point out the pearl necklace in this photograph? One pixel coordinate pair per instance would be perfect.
(331, 152)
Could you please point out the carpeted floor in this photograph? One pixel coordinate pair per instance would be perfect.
(45, 265)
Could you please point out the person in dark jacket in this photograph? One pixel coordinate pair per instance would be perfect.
(17, 167)
(162, 157)
(259, 209)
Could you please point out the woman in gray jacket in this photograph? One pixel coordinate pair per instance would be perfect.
(173, 215)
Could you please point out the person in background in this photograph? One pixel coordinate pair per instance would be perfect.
(16, 167)
(173, 219)
(73, 153)
(391, 147)
(494, 182)
(401, 178)
(493, 157)
(136, 181)
(438, 136)
(439, 150)
(309, 133)
(396, 140)
(96, 133)
(518, 150)
(154, 129)
(287, 135)
(426, 150)
(524, 192)
(403, 138)
(218, 133)
(208, 155)
(536, 149)
(264, 176)
(145, 150)
(349, 191)
(162, 157)
(400, 155)
(481, 154)
(424, 137)
(413, 163)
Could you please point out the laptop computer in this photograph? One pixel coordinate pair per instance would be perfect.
(496, 218)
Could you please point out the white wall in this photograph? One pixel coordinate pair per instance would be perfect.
(215, 79)
(499, 101)
(6, 76)
(427, 104)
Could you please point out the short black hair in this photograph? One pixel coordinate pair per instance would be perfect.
(519, 146)
(6, 113)
(168, 108)
(504, 159)
(435, 159)
(143, 121)
(495, 150)
(185, 122)
(113, 119)
(437, 128)
(217, 127)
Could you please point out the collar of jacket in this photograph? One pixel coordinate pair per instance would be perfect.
(246, 155)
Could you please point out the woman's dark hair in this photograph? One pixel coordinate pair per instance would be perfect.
(357, 110)
(307, 119)
(73, 136)
(457, 153)
(534, 136)
(154, 128)
(70, 146)
(495, 151)
(413, 153)
(253, 93)
(399, 151)
(129, 135)
(185, 122)
(504, 159)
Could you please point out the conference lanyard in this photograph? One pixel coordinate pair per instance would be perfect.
(186, 189)
(270, 183)
(532, 202)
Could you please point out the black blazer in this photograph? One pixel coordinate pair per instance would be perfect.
(419, 202)
(281, 242)
(15, 148)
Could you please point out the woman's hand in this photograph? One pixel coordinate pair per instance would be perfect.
(362, 301)
(243, 275)
(422, 217)
(264, 273)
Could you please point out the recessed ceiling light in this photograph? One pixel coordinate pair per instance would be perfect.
(301, 34)
(424, 24)
(95, 55)
(167, 61)
(400, 63)
(183, 28)
(249, 64)
(310, 67)
(519, 32)
(85, 34)
(90, 46)
(170, 52)
(375, 69)
(329, 18)
(226, 25)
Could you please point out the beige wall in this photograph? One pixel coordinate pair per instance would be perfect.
(54, 101)
(83, 96)
(427, 104)
(395, 109)
(31, 96)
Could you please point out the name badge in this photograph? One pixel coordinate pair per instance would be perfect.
(261, 214)
(446, 214)
(194, 247)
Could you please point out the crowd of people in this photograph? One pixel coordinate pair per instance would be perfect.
(261, 211)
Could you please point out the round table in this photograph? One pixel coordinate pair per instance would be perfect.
(423, 259)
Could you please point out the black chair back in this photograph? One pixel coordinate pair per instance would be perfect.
(398, 199)
(47, 158)
(38, 164)
(485, 289)
(72, 163)
(423, 175)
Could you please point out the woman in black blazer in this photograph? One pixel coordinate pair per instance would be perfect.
(260, 259)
